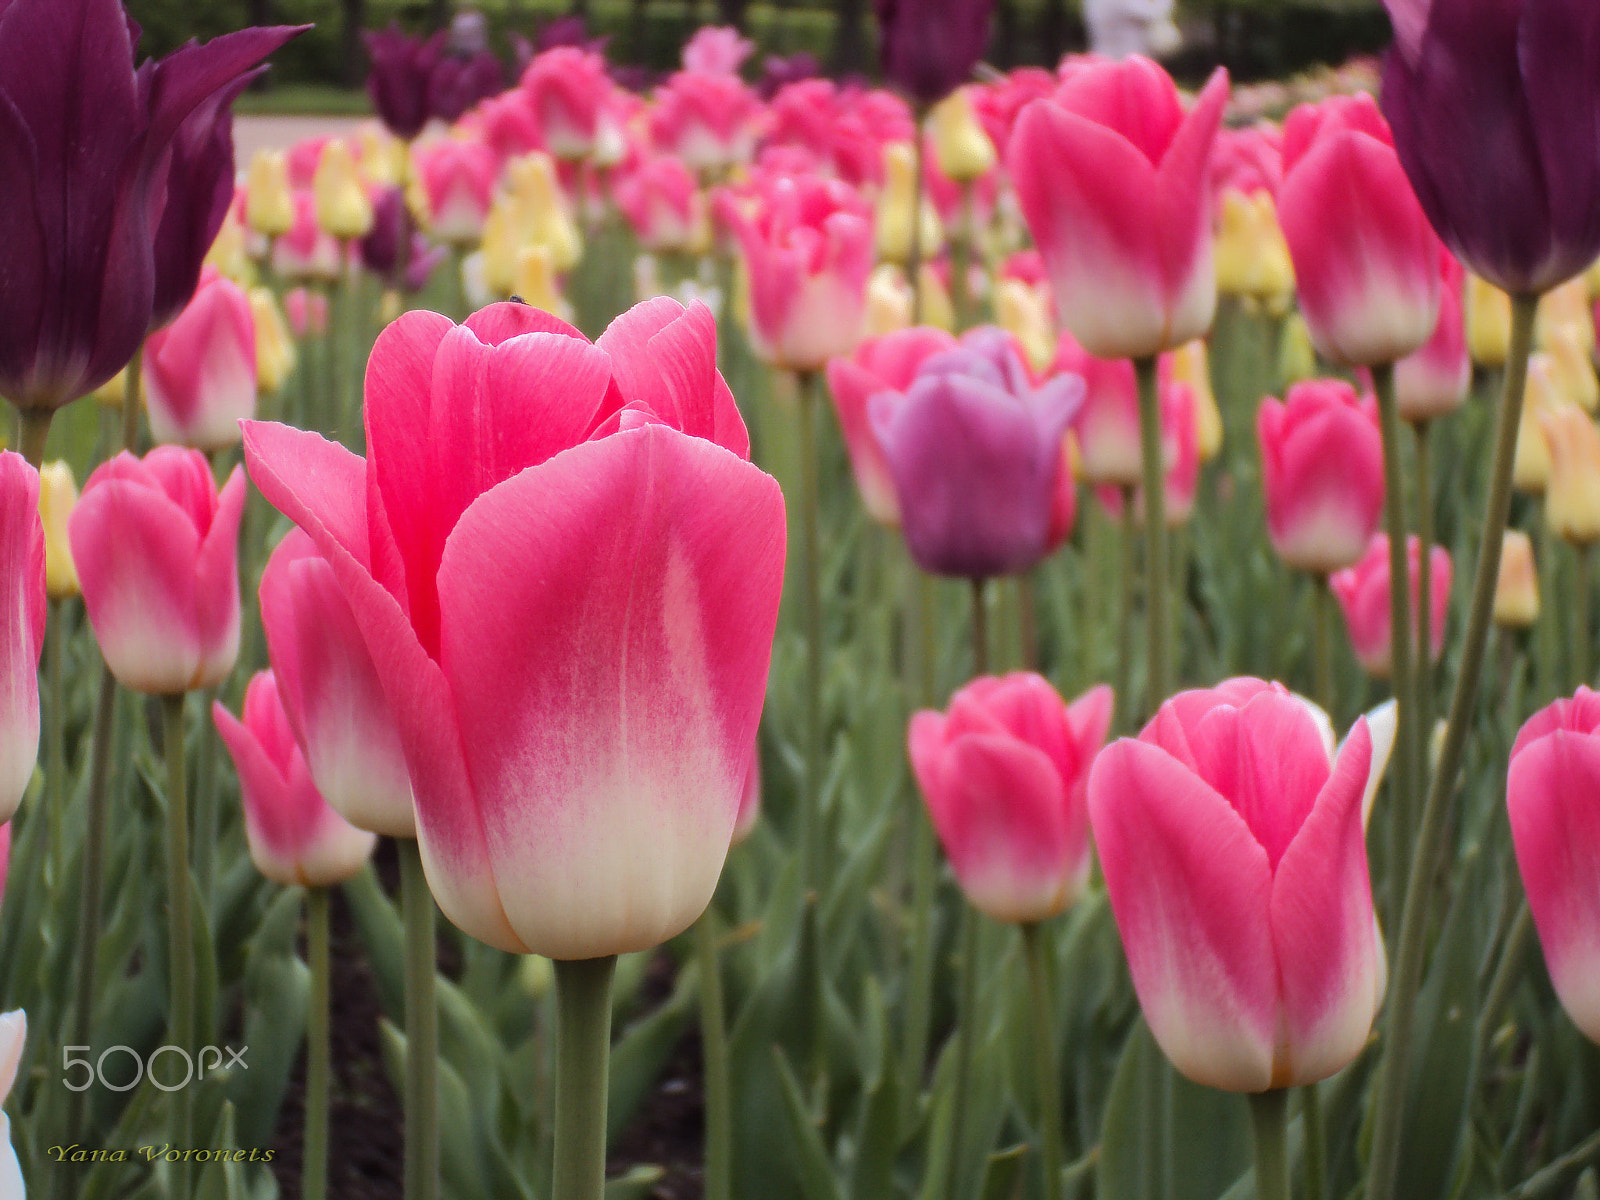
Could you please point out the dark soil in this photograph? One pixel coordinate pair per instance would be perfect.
(366, 1117)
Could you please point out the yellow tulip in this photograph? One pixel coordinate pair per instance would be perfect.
(1252, 259)
(888, 302)
(1023, 311)
(1516, 592)
(539, 210)
(536, 282)
(1572, 499)
(268, 203)
(1191, 365)
(895, 207)
(275, 352)
(58, 494)
(960, 145)
(1530, 471)
(343, 208)
(1488, 317)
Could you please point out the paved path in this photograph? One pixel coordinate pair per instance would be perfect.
(277, 133)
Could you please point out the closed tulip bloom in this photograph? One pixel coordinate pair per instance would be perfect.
(1366, 262)
(1005, 776)
(1363, 594)
(58, 496)
(1550, 790)
(901, 210)
(1516, 593)
(1530, 469)
(1572, 498)
(1107, 425)
(807, 246)
(401, 70)
(1322, 474)
(716, 50)
(1488, 322)
(1191, 366)
(1251, 256)
(200, 371)
(961, 148)
(156, 549)
(13, 1036)
(880, 364)
(88, 154)
(1023, 310)
(1493, 105)
(275, 352)
(708, 121)
(457, 183)
(295, 838)
(331, 693)
(663, 203)
(975, 452)
(1112, 178)
(342, 206)
(569, 91)
(1231, 833)
(269, 202)
(22, 600)
(928, 47)
(592, 520)
(307, 251)
(307, 312)
(1434, 379)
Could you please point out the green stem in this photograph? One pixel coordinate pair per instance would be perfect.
(180, 925)
(914, 251)
(1582, 586)
(1316, 1132)
(966, 1036)
(55, 741)
(961, 260)
(422, 1028)
(133, 402)
(1028, 620)
(583, 998)
(1546, 1180)
(205, 803)
(980, 628)
(314, 1164)
(1546, 634)
(1407, 774)
(1406, 978)
(811, 795)
(1036, 948)
(35, 432)
(1123, 690)
(1269, 1123)
(1507, 974)
(94, 852)
(1155, 531)
(1322, 643)
(714, 1046)
(1422, 638)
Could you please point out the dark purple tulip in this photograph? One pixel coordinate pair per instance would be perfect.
(975, 452)
(392, 228)
(460, 81)
(778, 73)
(399, 78)
(87, 145)
(929, 47)
(1495, 107)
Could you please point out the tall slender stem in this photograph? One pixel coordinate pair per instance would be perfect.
(924, 862)
(35, 432)
(1423, 635)
(1123, 689)
(583, 1026)
(314, 1164)
(1322, 643)
(1407, 773)
(714, 1047)
(422, 1028)
(133, 402)
(1582, 586)
(55, 742)
(915, 250)
(980, 628)
(1316, 1134)
(811, 795)
(961, 261)
(1155, 532)
(205, 803)
(966, 1036)
(1269, 1123)
(1036, 949)
(1546, 631)
(1507, 974)
(1406, 978)
(180, 925)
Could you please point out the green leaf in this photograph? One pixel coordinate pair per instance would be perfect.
(816, 1175)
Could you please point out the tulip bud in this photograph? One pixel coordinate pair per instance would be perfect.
(1516, 593)
(1023, 311)
(1571, 369)
(1363, 594)
(539, 212)
(1564, 311)
(535, 282)
(1488, 316)
(1251, 256)
(307, 311)
(269, 208)
(1530, 470)
(894, 216)
(229, 255)
(58, 495)
(888, 302)
(343, 208)
(962, 149)
(200, 371)
(1572, 498)
(275, 352)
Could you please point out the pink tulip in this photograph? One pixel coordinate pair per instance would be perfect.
(1363, 594)
(1180, 441)
(458, 182)
(1000, 104)
(1112, 177)
(749, 802)
(716, 50)
(808, 249)
(706, 120)
(22, 599)
(155, 547)
(1366, 261)
(1005, 776)
(1555, 827)
(331, 692)
(1107, 426)
(881, 364)
(1322, 474)
(306, 252)
(200, 371)
(568, 573)
(307, 312)
(1247, 160)
(568, 91)
(294, 837)
(1231, 833)
(508, 125)
(662, 201)
(1434, 380)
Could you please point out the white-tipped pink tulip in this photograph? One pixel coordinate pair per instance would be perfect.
(331, 692)
(295, 837)
(22, 600)
(200, 371)
(156, 550)
(13, 1036)
(1231, 832)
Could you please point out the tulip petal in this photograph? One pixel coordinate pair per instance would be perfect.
(1190, 889)
(22, 636)
(216, 583)
(1323, 929)
(613, 695)
(1558, 49)
(497, 323)
(1555, 825)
